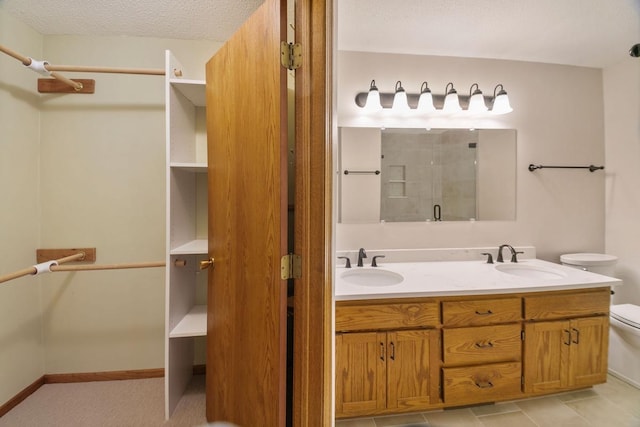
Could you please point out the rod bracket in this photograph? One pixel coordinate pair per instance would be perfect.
(57, 86)
(44, 255)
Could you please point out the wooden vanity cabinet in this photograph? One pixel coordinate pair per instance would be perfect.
(569, 347)
(386, 370)
(408, 355)
(481, 350)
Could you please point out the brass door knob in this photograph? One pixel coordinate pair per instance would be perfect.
(206, 263)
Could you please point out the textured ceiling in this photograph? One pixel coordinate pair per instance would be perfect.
(594, 33)
(180, 19)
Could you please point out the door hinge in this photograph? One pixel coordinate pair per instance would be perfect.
(291, 55)
(291, 267)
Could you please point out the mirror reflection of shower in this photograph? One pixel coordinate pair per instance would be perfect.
(428, 175)
(406, 175)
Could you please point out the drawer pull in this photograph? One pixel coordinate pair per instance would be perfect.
(485, 384)
(484, 313)
(382, 351)
(568, 341)
(576, 340)
(488, 344)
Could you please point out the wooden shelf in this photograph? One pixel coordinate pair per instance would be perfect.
(193, 90)
(194, 324)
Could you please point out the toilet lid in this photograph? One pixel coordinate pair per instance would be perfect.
(627, 313)
(588, 259)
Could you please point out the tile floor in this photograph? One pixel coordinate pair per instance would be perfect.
(613, 404)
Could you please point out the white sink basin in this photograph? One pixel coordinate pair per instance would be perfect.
(371, 277)
(530, 271)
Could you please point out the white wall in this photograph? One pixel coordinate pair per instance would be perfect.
(359, 151)
(622, 142)
(21, 346)
(88, 171)
(558, 115)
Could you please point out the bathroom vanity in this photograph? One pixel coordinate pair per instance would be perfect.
(459, 333)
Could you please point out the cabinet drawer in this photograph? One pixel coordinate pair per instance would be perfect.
(482, 344)
(482, 383)
(386, 316)
(481, 312)
(583, 303)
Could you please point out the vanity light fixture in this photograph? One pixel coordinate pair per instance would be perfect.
(451, 101)
(500, 101)
(476, 100)
(400, 102)
(425, 102)
(373, 99)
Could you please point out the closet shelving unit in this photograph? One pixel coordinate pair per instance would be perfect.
(186, 222)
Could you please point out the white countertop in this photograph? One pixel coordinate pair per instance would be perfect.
(446, 278)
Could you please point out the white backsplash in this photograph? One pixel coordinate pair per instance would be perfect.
(435, 254)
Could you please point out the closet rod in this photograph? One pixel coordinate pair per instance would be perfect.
(52, 70)
(28, 62)
(34, 269)
(107, 266)
(88, 69)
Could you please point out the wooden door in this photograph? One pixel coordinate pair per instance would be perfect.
(412, 369)
(247, 200)
(247, 148)
(361, 366)
(546, 356)
(589, 351)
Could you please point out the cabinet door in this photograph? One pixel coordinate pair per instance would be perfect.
(566, 354)
(411, 370)
(361, 360)
(546, 356)
(589, 351)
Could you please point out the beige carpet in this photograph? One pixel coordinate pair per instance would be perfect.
(128, 403)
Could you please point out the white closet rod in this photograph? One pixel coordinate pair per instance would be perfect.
(46, 69)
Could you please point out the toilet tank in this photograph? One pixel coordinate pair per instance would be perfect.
(596, 263)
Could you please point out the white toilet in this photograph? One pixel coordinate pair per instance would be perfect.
(624, 331)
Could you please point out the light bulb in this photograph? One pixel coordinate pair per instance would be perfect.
(501, 103)
(373, 99)
(476, 100)
(400, 102)
(425, 102)
(451, 102)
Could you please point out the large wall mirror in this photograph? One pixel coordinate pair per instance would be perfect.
(404, 175)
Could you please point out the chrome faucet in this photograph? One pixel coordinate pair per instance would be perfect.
(361, 254)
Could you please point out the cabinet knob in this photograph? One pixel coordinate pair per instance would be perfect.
(206, 263)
